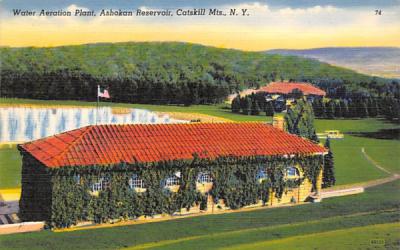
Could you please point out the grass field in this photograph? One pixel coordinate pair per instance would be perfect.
(10, 167)
(354, 125)
(382, 236)
(351, 165)
(378, 205)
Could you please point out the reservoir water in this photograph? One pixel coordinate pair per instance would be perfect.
(20, 124)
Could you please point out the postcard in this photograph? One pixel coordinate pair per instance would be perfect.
(170, 124)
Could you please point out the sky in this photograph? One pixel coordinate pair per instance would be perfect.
(271, 24)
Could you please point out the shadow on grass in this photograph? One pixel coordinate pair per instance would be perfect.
(385, 134)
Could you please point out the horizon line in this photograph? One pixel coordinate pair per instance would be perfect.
(191, 43)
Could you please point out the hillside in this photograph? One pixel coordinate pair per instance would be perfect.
(380, 61)
(159, 73)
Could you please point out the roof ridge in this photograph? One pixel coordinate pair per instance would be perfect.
(88, 128)
(179, 124)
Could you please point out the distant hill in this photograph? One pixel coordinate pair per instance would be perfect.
(379, 61)
(161, 72)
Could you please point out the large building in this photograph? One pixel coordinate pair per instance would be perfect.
(108, 172)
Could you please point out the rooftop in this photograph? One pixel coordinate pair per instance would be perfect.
(111, 144)
(288, 87)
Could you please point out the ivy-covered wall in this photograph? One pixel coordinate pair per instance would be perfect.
(66, 197)
(36, 193)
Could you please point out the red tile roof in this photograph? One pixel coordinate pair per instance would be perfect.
(110, 144)
(288, 87)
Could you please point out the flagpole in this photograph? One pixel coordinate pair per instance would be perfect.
(97, 108)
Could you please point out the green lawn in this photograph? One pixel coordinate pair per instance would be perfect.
(350, 164)
(353, 125)
(386, 153)
(377, 205)
(10, 168)
(316, 235)
(382, 236)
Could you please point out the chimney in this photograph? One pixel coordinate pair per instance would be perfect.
(278, 122)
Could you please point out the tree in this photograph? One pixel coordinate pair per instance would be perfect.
(299, 120)
(235, 106)
(363, 109)
(328, 175)
(345, 108)
(375, 104)
(372, 109)
(186, 98)
(395, 110)
(255, 108)
(338, 109)
(260, 98)
(246, 109)
(353, 109)
(269, 109)
(319, 108)
(330, 110)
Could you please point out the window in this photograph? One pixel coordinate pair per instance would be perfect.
(292, 172)
(135, 182)
(204, 177)
(100, 184)
(77, 179)
(173, 180)
(262, 174)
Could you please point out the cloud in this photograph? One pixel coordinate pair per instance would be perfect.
(146, 8)
(256, 7)
(74, 7)
(318, 17)
(308, 11)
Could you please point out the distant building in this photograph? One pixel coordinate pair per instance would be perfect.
(78, 165)
(287, 88)
(284, 93)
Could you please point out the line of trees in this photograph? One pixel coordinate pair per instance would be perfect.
(252, 105)
(146, 88)
(387, 107)
(341, 88)
(357, 108)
